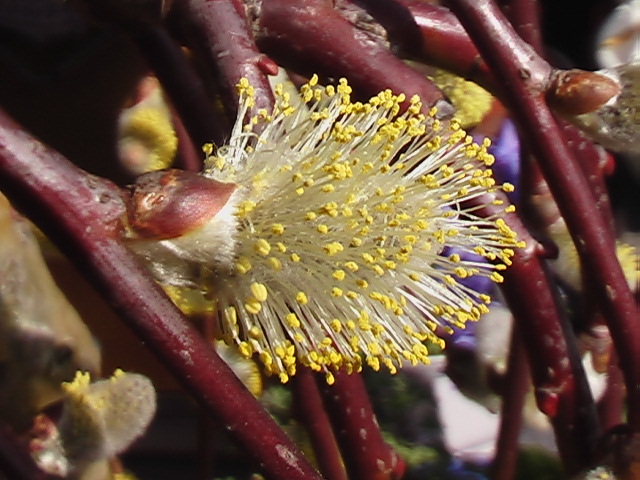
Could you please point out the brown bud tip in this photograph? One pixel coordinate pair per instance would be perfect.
(170, 203)
(574, 92)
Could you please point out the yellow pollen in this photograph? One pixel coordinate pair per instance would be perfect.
(243, 265)
(353, 266)
(277, 229)
(259, 291)
(339, 275)
(274, 263)
(253, 306)
(292, 320)
(356, 242)
(262, 247)
(333, 248)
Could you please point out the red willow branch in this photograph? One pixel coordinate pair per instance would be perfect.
(313, 37)
(495, 39)
(445, 43)
(514, 391)
(311, 413)
(524, 15)
(221, 35)
(366, 455)
(610, 405)
(82, 215)
(188, 157)
(594, 161)
(402, 30)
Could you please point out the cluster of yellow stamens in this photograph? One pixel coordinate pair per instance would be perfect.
(343, 212)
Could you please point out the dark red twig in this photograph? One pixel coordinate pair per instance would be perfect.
(514, 391)
(81, 214)
(188, 156)
(304, 36)
(445, 43)
(594, 162)
(310, 411)
(367, 456)
(610, 405)
(494, 38)
(524, 15)
(221, 35)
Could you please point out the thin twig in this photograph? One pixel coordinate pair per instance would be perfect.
(367, 456)
(297, 35)
(310, 411)
(524, 15)
(516, 384)
(610, 405)
(221, 35)
(445, 43)
(188, 157)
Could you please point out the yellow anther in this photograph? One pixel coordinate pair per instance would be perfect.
(333, 248)
(262, 247)
(339, 275)
(274, 263)
(277, 229)
(292, 320)
(253, 306)
(301, 298)
(255, 332)
(243, 265)
(259, 291)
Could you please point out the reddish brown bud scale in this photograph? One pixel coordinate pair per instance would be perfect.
(575, 92)
(267, 65)
(170, 203)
